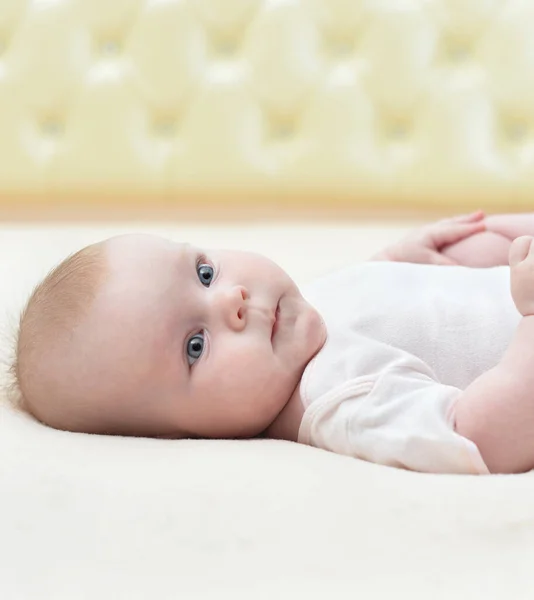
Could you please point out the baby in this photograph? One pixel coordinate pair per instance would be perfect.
(415, 366)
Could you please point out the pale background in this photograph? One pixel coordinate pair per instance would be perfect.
(337, 104)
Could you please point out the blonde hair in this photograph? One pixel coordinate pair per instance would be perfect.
(53, 310)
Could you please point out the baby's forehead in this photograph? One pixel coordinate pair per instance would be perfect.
(145, 271)
(145, 255)
(144, 244)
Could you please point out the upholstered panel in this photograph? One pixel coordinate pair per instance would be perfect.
(386, 101)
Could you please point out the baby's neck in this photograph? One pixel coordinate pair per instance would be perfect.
(287, 423)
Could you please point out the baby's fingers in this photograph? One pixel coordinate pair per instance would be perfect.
(475, 216)
(455, 232)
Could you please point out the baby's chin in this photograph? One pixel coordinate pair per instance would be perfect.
(236, 432)
(316, 332)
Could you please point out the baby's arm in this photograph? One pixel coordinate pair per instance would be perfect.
(469, 240)
(426, 244)
(496, 411)
(490, 248)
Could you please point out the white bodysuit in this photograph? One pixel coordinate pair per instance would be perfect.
(403, 341)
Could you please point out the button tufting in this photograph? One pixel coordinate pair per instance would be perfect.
(244, 90)
(109, 48)
(282, 131)
(516, 131)
(164, 127)
(340, 48)
(51, 127)
(397, 131)
(224, 47)
(458, 52)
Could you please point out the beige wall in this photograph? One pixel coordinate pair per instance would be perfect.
(312, 103)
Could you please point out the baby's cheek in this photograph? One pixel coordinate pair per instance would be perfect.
(246, 364)
(243, 369)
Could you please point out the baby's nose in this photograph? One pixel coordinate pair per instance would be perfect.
(233, 305)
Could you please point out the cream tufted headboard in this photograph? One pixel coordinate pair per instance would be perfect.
(393, 103)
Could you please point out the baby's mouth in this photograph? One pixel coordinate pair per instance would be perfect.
(276, 320)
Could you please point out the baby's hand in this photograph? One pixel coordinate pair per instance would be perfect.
(521, 259)
(425, 245)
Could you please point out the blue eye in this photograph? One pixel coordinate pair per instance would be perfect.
(205, 274)
(195, 346)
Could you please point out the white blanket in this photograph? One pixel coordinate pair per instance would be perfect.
(91, 517)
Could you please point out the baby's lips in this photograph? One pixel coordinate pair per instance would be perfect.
(276, 316)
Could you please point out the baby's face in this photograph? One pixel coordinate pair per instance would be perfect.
(210, 343)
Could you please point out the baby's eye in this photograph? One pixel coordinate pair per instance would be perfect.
(205, 274)
(195, 346)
